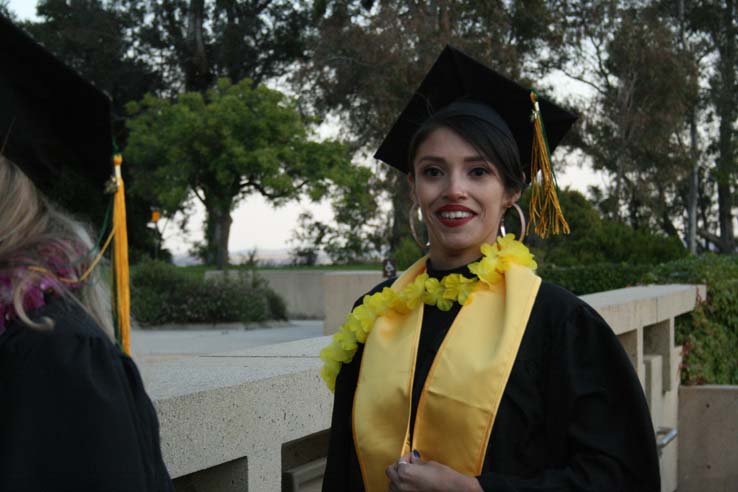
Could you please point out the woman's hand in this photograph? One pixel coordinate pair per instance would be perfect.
(412, 474)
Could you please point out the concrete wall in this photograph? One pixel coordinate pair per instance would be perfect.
(708, 449)
(300, 289)
(227, 419)
(340, 291)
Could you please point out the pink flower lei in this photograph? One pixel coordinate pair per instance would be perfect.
(37, 283)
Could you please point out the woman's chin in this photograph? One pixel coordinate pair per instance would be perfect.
(460, 252)
(459, 244)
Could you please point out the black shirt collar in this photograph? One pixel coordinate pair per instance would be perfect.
(439, 274)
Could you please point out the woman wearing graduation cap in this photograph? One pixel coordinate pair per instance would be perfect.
(468, 372)
(74, 415)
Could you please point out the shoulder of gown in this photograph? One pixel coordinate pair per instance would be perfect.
(75, 415)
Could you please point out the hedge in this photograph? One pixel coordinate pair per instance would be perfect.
(594, 278)
(162, 293)
(709, 335)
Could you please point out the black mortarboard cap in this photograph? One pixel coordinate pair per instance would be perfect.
(54, 124)
(537, 125)
(454, 77)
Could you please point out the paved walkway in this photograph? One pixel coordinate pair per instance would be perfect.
(151, 346)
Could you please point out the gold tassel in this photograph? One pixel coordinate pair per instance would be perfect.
(120, 260)
(545, 210)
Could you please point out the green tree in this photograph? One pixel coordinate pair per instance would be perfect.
(219, 147)
(596, 240)
(717, 23)
(644, 87)
(356, 233)
(199, 41)
(5, 10)
(92, 37)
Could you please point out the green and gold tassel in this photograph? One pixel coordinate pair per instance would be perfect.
(122, 300)
(545, 209)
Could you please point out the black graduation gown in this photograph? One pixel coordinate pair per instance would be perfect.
(573, 416)
(74, 415)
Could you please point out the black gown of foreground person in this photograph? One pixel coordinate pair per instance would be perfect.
(74, 416)
(573, 416)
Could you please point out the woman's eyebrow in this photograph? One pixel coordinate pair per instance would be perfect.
(435, 158)
(432, 158)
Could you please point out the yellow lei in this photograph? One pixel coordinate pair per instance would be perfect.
(497, 259)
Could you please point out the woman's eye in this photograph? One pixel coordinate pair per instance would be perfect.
(480, 171)
(431, 172)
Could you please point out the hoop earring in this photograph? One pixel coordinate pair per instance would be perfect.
(521, 218)
(414, 213)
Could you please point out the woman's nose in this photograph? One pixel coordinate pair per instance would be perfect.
(456, 189)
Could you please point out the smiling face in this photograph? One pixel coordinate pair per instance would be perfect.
(461, 195)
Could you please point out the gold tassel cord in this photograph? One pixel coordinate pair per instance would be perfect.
(120, 260)
(545, 209)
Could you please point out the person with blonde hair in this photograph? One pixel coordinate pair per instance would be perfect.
(74, 415)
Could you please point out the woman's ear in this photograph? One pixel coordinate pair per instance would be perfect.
(513, 198)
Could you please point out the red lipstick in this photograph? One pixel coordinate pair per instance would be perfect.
(454, 215)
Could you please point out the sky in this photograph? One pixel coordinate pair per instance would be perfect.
(258, 225)
(24, 9)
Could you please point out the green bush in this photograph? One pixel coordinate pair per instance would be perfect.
(595, 240)
(709, 334)
(594, 278)
(406, 254)
(162, 293)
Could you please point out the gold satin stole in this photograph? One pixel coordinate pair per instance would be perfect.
(464, 386)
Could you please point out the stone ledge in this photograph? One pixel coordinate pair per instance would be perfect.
(219, 408)
(632, 307)
(229, 406)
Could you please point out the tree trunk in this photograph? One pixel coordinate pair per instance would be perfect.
(218, 228)
(664, 218)
(196, 66)
(727, 113)
(693, 152)
(693, 183)
(221, 234)
(400, 206)
(704, 205)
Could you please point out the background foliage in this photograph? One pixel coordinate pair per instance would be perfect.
(235, 140)
(709, 335)
(162, 293)
(659, 119)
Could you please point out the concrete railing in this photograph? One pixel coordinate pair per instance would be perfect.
(232, 422)
(237, 421)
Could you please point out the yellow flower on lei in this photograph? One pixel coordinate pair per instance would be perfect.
(412, 294)
(497, 259)
(487, 269)
(511, 251)
(458, 288)
(435, 295)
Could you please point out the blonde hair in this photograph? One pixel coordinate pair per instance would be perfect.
(30, 226)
